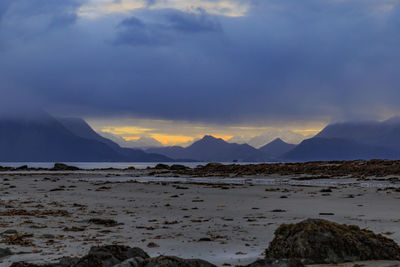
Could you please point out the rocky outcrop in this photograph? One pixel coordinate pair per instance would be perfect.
(4, 252)
(313, 241)
(276, 263)
(315, 170)
(164, 261)
(64, 167)
(317, 241)
(120, 256)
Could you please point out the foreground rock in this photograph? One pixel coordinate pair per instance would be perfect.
(317, 241)
(120, 256)
(4, 252)
(64, 167)
(164, 261)
(276, 263)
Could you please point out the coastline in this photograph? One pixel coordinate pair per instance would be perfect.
(218, 222)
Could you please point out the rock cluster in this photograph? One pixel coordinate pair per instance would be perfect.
(312, 241)
(322, 169)
(276, 263)
(64, 167)
(120, 256)
(317, 241)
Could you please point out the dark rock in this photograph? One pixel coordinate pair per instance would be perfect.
(108, 256)
(177, 167)
(317, 241)
(4, 252)
(64, 167)
(23, 264)
(120, 252)
(120, 256)
(326, 190)
(64, 262)
(23, 167)
(104, 222)
(161, 167)
(133, 262)
(276, 263)
(104, 256)
(168, 261)
(10, 232)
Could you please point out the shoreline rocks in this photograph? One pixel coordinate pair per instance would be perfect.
(120, 256)
(312, 241)
(317, 241)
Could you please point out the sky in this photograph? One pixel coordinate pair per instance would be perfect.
(174, 70)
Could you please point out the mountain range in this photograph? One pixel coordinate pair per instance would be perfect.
(39, 136)
(350, 141)
(210, 148)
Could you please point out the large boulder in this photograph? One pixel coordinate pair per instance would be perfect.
(104, 256)
(64, 167)
(120, 256)
(164, 261)
(276, 263)
(108, 256)
(4, 252)
(317, 241)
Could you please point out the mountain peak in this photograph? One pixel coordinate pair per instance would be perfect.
(276, 148)
(210, 138)
(277, 141)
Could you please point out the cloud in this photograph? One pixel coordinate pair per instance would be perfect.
(268, 136)
(279, 62)
(28, 18)
(192, 22)
(95, 9)
(134, 31)
(141, 142)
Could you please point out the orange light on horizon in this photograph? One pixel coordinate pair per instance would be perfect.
(130, 138)
(172, 139)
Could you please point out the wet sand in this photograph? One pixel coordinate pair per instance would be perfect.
(221, 223)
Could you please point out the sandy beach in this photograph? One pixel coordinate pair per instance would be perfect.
(47, 215)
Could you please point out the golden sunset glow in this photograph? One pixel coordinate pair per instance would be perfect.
(229, 8)
(171, 133)
(308, 131)
(168, 140)
(126, 131)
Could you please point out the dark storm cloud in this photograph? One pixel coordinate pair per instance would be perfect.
(285, 60)
(133, 31)
(27, 18)
(192, 23)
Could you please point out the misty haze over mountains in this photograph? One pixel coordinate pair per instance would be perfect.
(39, 137)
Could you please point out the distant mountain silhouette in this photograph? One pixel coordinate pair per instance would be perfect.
(40, 137)
(210, 148)
(317, 149)
(383, 134)
(81, 128)
(351, 140)
(276, 148)
(144, 142)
